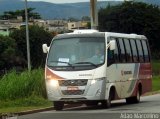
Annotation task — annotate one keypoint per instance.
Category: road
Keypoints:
(148, 108)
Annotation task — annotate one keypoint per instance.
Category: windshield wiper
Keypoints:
(86, 63)
(63, 62)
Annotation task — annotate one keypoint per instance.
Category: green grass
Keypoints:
(23, 91)
(31, 101)
(23, 104)
(25, 84)
(156, 67)
(156, 83)
(156, 75)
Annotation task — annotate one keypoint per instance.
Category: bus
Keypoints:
(92, 67)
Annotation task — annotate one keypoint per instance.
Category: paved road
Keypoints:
(148, 108)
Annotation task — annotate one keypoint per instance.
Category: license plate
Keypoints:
(72, 88)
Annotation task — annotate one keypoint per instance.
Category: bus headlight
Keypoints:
(53, 82)
(93, 81)
(98, 79)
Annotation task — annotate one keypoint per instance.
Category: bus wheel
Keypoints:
(107, 103)
(135, 99)
(58, 105)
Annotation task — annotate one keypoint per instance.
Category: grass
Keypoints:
(156, 75)
(156, 67)
(23, 91)
(25, 84)
(23, 104)
(156, 83)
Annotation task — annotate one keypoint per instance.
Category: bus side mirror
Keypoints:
(112, 45)
(45, 48)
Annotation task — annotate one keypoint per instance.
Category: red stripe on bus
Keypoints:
(51, 75)
(145, 78)
(145, 75)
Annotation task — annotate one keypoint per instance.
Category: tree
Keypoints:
(37, 36)
(14, 14)
(132, 17)
(7, 52)
(85, 18)
(72, 19)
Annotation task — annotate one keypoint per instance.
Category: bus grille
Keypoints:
(72, 92)
(79, 82)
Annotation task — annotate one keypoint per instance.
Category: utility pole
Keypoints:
(27, 37)
(94, 14)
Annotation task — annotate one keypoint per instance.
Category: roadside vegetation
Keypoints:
(26, 89)
(23, 104)
(156, 75)
(156, 83)
(22, 85)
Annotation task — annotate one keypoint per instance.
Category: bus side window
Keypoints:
(116, 53)
(113, 56)
(134, 50)
(145, 49)
(110, 57)
(128, 50)
(122, 51)
(140, 50)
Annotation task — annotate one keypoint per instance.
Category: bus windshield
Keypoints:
(81, 51)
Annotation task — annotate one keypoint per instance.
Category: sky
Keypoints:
(69, 1)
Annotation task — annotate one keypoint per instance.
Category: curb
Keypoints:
(34, 111)
(7, 115)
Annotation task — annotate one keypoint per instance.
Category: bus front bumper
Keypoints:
(94, 90)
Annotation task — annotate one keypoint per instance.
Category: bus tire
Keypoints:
(107, 103)
(58, 105)
(135, 99)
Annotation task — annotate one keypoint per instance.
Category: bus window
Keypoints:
(134, 51)
(145, 49)
(128, 50)
(116, 53)
(140, 51)
(110, 57)
(122, 50)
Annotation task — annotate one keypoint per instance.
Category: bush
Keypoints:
(22, 85)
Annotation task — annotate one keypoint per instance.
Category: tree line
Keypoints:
(14, 14)
(133, 17)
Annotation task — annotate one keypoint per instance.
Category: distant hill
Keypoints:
(59, 11)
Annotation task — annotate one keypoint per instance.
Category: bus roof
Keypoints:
(92, 32)
(123, 35)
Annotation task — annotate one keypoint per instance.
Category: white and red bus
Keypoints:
(94, 67)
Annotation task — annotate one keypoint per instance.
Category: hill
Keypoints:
(59, 11)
